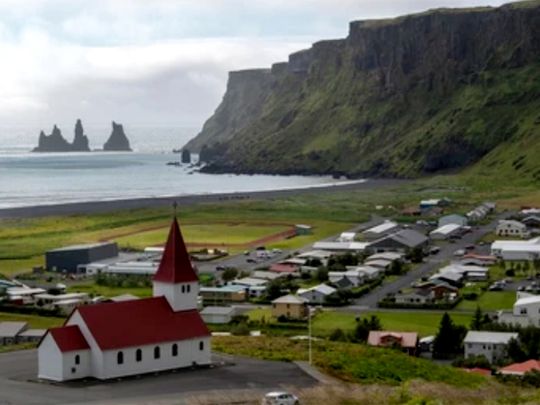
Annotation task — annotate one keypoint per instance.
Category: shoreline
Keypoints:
(93, 207)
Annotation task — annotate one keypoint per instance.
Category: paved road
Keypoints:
(18, 383)
(431, 264)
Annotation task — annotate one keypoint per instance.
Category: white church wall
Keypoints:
(181, 296)
(49, 360)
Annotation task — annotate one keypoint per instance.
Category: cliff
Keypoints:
(418, 94)
(54, 142)
(118, 140)
(80, 141)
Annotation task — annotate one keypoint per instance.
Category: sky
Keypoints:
(156, 62)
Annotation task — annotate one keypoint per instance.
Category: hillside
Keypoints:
(431, 92)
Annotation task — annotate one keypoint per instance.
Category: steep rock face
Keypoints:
(245, 95)
(118, 140)
(54, 142)
(417, 94)
(80, 141)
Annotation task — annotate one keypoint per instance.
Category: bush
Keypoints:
(470, 296)
(338, 335)
(510, 273)
(240, 330)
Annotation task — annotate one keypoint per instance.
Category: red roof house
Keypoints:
(521, 368)
(116, 339)
(408, 341)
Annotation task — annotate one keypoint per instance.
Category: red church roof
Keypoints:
(175, 266)
(69, 338)
(140, 322)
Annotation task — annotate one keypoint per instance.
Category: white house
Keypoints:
(516, 249)
(492, 345)
(376, 232)
(317, 294)
(347, 237)
(445, 231)
(452, 219)
(218, 315)
(512, 228)
(118, 339)
(526, 311)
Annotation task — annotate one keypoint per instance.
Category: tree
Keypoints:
(477, 320)
(515, 351)
(229, 274)
(322, 274)
(364, 326)
(449, 338)
(396, 268)
(416, 255)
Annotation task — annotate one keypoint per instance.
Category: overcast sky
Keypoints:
(156, 61)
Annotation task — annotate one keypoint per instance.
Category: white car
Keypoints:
(280, 398)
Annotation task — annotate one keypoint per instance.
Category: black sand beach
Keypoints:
(92, 207)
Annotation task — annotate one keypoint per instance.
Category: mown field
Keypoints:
(490, 301)
(34, 321)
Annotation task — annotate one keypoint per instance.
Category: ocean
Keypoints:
(29, 179)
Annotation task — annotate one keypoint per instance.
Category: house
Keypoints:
(469, 272)
(526, 311)
(285, 268)
(31, 336)
(414, 297)
(118, 339)
(478, 260)
(290, 306)
(382, 264)
(411, 212)
(222, 295)
(532, 221)
(24, 295)
(435, 202)
(390, 256)
(317, 294)
(492, 345)
(450, 277)
(368, 272)
(266, 275)
(347, 237)
(381, 230)
(10, 330)
(218, 315)
(343, 283)
(446, 231)
(408, 341)
(509, 227)
(302, 229)
(440, 290)
(401, 241)
(520, 250)
(520, 369)
(65, 303)
(452, 219)
(320, 255)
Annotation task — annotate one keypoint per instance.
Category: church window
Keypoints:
(188, 288)
(77, 359)
(120, 357)
(201, 345)
(183, 288)
(138, 355)
(175, 350)
(157, 352)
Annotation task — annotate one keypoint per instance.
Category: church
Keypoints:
(111, 340)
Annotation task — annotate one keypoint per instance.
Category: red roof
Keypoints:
(406, 339)
(140, 322)
(175, 266)
(521, 368)
(283, 268)
(69, 338)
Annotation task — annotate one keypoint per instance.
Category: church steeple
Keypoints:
(175, 278)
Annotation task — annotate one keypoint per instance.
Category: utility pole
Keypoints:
(309, 335)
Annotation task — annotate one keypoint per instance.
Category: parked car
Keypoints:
(277, 251)
(434, 250)
(251, 261)
(280, 398)
(220, 268)
(469, 247)
(459, 252)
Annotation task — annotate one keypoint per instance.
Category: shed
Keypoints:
(218, 315)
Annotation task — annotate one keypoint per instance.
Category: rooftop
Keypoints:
(489, 337)
(289, 299)
(82, 246)
(384, 227)
(11, 329)
(218, 310)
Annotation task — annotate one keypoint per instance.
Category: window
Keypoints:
(188, 288)
(73, 370)
(201, 345)
(77, 359)
(175, 350)
(120, 357)
(138, 355)
(157, 352)
(183, 288)
(523, 311)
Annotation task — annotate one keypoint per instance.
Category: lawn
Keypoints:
(425, 323)
(490, 301)
(96, 290)
(348, 361)
(34, 321)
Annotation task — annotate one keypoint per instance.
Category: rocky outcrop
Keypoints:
(118, 140)
(54, 142)
(186, 156)
(402, 97)
(80, 141)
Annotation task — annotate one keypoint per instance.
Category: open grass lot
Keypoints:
(490, 301)
(425, 323)
(348, 361)
(35, 321)
(95, 290)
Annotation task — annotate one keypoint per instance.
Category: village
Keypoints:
(436, 261)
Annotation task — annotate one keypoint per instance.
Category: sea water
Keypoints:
(28, 179)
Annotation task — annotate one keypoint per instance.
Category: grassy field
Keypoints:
(490, 301)
(347, 361)
(34, 321)
(95, 290)
(425, 323)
